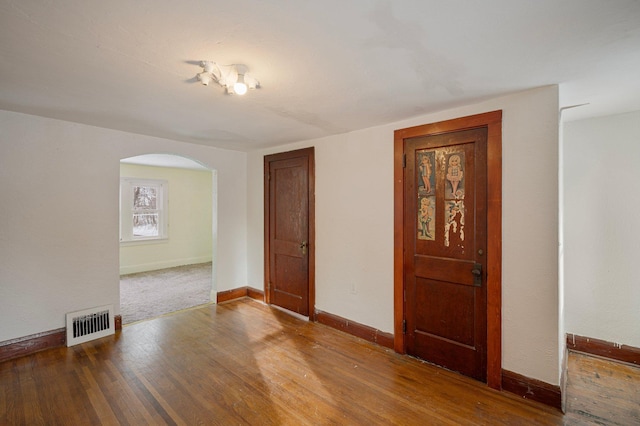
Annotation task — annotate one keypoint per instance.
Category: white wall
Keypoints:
(354, 226)
(59, 222)
(189, 212)
(67, 259)
(602, 230)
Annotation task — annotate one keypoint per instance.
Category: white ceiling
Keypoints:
(325, 67)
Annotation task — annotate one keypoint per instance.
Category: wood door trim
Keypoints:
(310, 154)
(532, 389)
(362, 331)
(493, 122)
(233, 294)
(239, 293)
(27, 345)
(603, 348)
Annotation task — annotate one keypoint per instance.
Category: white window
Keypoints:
(143, 209)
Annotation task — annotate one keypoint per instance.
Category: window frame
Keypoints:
(127, 210)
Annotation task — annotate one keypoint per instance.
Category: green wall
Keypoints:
(190, 221)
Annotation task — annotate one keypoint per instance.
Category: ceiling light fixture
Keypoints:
(233, 78)
(239, 86)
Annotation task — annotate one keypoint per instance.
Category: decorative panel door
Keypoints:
(445, 235)
(289, 232)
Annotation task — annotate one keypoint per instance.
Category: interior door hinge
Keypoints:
(404, 161)
(404, 326)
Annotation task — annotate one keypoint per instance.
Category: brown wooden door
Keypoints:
(289, 230)
(445, 186)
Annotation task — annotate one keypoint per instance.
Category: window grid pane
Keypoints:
(143, 209)
(145, 197)
(146, 224)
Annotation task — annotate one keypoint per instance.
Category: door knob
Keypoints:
(477, 274)
(303, 247)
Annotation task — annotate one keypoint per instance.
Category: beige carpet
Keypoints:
(148, 295)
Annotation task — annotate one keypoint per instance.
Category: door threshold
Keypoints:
(293, 314)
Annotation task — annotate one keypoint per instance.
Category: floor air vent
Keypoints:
(89, 324)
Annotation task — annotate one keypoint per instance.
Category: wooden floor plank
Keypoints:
(245, 363)
(602, 391)
(13, 396)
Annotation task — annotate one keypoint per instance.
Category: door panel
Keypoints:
(444, 269)
(288, 240)
(442, 302)
(445, 234)
(289, 286)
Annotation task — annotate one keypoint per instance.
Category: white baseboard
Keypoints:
(153, 266)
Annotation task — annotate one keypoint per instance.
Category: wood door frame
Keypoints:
(493, 122)
(310, 154)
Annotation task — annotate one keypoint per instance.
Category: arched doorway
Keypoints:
(167, 235)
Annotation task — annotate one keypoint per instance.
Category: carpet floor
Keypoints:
(146, 295)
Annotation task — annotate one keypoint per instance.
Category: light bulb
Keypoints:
(239, 86)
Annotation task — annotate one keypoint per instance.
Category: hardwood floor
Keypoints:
(602, 392)
(244, 363)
